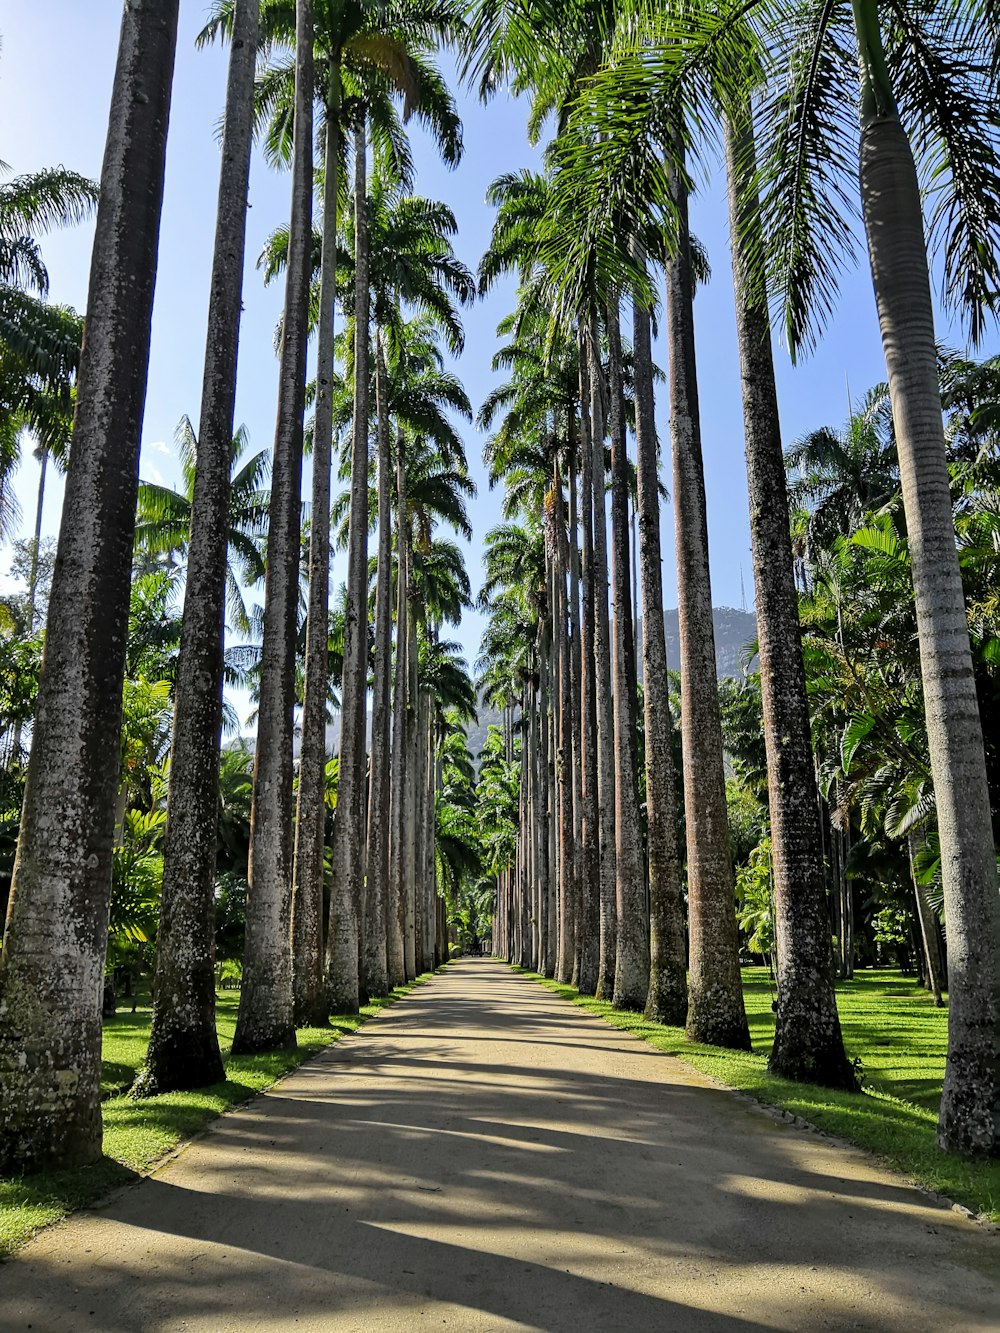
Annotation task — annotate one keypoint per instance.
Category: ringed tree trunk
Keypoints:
(183, 1045)
(552, 812)
(419, 825)
(589, 897)
(716, 1014)
(55, 939)
(410, 753)
(667, 1000)
(310, 824)
(348, 853)
(375, 956)
(632, 956)
(427, 841)
(529, 743)
(541, 790)
(395, 929)
(808, 1044)
(266, 1016)
(602, 675)
(43, 466)
(564, 777)
(575, 671)
(969, 1122)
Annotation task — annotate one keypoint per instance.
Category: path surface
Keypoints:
(484, 1155)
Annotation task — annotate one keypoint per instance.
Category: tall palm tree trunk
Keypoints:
(375, 955)
(310, 824)
(716, 1013)
(552, 812)
(666, 1001)
(590, 843)
(412, 742)
(542, 803)
(602, 677)
(183, 1045)
(969, 1121)
(266, 1015)
(529, 757)
(36, 545)
(564, 777)
(575, 673)
(396, 923)
(808, 1043)
(52, 962)
(427, 842)
(632, 957)
(419, 825)
(343, 982)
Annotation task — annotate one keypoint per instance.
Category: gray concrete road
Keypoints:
(485, 1156)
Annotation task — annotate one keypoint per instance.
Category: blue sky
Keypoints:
(56, 67)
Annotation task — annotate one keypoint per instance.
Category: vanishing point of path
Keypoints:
(485, 1156)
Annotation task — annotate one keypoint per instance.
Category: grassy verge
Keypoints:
(892, 1027)
(138, 1133)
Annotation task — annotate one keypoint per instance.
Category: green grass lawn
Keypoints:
(138, 1133)
(890, 1025)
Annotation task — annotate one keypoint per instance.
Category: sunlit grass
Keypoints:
(138, 1133)
(890, 1024)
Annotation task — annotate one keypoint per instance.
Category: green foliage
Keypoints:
(137, 877)
(755, 894)
(163, 517)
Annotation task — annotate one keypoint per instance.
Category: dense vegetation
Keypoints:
(632, 831)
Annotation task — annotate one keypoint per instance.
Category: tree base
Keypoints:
(825, 1064)
(179, 1066)
(717, 1018)
(271, 1039)
(667, 1000)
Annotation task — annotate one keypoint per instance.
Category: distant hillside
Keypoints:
(477, 731)
(734, 631)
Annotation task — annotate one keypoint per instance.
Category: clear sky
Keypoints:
(56, 67)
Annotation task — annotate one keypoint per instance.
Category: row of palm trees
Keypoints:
(640, 96)
(385, 257)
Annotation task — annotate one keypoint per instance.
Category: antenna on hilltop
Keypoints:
(743, 591)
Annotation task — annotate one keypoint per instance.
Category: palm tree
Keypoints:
(616, 173)
(221, 514)
(667, 997)
(518, 641)
(367, 53)
(266, 1015)
(423, 90)
(50, 1049)
(841, 477)
(39, 343)
(716, 1013)
(342, 974)
(413, 264)
(924, 90)
(164, 518)
(430, 482)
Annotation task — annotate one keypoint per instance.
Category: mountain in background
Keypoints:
(734, 632)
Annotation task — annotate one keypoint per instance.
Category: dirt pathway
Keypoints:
(485, 1156)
